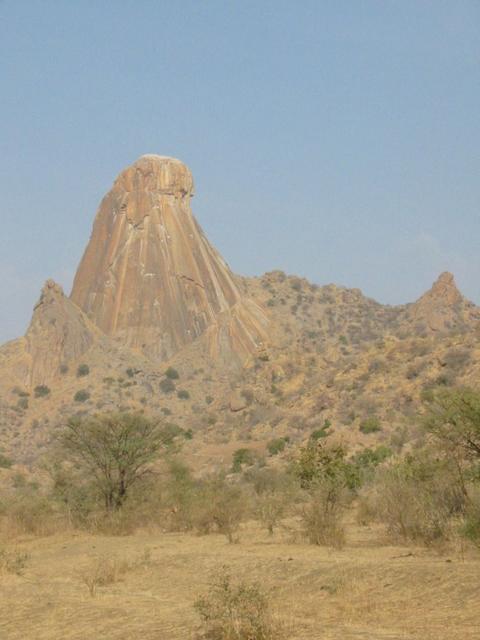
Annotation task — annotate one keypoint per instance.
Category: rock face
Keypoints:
(150, 278)
(443, 307)
(58, 333)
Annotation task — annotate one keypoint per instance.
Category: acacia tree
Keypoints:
(115, 449)
(453, 419)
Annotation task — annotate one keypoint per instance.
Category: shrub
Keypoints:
(172, 374)
(219, 506)
(242, 457)
(296, 284)
(453, 419)
(417, 498)
(209, 399)
(372, 457)
(83, 370)
(13, 562)
(370, 425)
(5, 463)
(167, 385)
(318, 462)
(470, 528)
(322, 515)
(81, 396)
(183, 394)
(22, 403)
(108, 570)
(26, 512)
(270, 507)
(236, 611)
(323, 432)
(41, 391)
(457, 358)
(275, 446)
(169, 432)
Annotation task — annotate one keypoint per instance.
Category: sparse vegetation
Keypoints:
(167, 385)
(116, 450)
(81, 396)
(5, 461)
(236, 610)
(83, 370)
(13, 562)
(370, 425)
(41, 391)
(242, 457)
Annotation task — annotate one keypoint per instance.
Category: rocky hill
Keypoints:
(158, 322)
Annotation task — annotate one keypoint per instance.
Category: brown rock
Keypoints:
(443, 307)
(149, 276)
(58, 333)
(237, 402)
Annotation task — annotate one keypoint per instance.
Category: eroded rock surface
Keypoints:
(443, 308)
(149, 276)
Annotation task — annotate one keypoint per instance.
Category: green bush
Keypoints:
(470, 528)
(167, 385)
(183, 394)
(242, 457)
(83, 370)
(372, 457)
(275, 446)
(81, 396)
(41, 391)
(172, 374)
(370, 425)
(323, 432)
(5, 463)
(22, 403)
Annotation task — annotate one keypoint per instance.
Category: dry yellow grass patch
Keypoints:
(363, 591)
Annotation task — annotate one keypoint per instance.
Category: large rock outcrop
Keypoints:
(150, 278)
(59, 333)
(443, 308)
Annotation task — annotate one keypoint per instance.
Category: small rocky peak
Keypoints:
(51, 292)
(445, 290)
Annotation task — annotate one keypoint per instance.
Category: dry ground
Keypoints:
(364, 591)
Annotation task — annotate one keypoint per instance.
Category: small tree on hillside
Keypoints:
(453, 419)
(115, 449)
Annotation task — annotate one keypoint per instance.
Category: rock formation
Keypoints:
(150, 278)
(443, 307)
(59, 333)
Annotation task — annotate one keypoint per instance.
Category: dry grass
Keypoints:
(363, 591)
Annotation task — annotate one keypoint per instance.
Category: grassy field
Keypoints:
(367, 590)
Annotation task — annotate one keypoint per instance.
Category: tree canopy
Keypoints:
(116, 449)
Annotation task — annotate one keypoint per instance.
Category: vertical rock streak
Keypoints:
(150, 277)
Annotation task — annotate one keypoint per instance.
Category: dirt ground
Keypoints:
(366, 590)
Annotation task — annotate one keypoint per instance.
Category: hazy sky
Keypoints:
(338, 140)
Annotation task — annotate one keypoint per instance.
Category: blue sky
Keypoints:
(338, 140)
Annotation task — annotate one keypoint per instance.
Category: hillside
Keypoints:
(158, 322)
